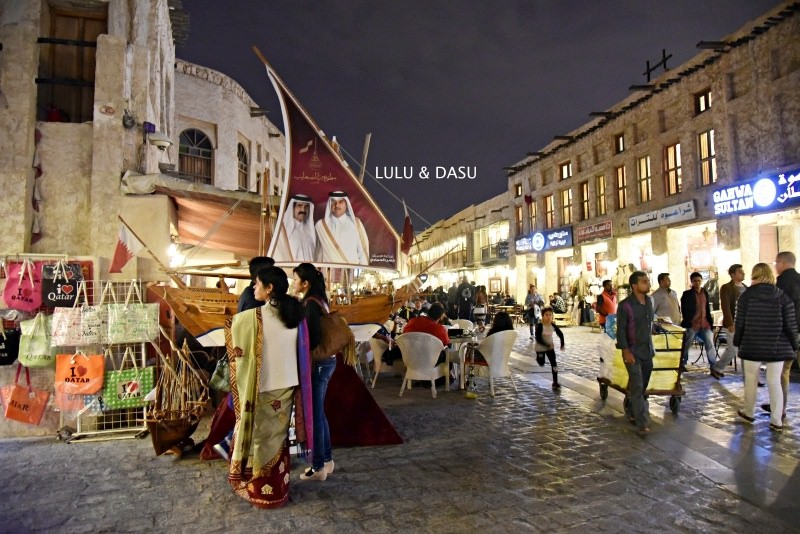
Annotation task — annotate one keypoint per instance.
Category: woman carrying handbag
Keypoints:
(309, 282)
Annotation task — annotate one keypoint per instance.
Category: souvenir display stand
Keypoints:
(96, 421)
(70, 324)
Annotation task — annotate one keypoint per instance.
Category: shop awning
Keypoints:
(202, 209)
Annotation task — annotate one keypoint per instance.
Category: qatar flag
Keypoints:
(127, 247)
(408, 232)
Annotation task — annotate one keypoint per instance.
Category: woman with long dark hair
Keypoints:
(309, 282)
(269, 359)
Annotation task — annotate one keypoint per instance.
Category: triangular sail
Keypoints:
(324, 208)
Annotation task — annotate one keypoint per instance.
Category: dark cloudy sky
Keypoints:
(473, 83)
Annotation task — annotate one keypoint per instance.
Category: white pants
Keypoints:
(774, 370)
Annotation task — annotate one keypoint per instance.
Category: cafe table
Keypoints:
(454, 353)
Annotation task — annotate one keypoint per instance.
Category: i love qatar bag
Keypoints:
(23, 403)
(66, 328)
(126, 388)
(133, 321)
(60, 284)
(23, 289)
(80, 373)
(9, 345)
(35, 349)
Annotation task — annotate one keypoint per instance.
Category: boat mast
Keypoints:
(364, 158)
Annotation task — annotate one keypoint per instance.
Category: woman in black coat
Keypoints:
(765, 331)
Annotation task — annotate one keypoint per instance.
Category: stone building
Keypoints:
(664, 180)
(98, 120)
(473, 243)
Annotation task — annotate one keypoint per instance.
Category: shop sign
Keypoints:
(677, 213)
(502, 250)
(590, 232)
(762, 194)
(544, 240)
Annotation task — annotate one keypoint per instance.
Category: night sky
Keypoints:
(450, 83)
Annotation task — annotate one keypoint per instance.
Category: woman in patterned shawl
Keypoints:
(270, 372)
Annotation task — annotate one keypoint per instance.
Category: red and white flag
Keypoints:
(408, 232)
(127, 247)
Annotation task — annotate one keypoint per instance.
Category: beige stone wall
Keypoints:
(755, 114)
(217, 105)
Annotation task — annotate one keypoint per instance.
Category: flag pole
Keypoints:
(175, 278)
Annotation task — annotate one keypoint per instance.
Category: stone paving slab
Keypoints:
(534, 461)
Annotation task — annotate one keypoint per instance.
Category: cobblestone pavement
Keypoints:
(534, 461)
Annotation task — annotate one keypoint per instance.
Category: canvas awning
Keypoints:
(201, 211)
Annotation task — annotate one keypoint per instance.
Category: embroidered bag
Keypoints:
(34, 345)
(126, 388)
(94, 319)
(80, 373)
(133, 321)
(66, 331)
(9, 345)
(336, 336)
(60, 284)
(23, 290)
(23, 403)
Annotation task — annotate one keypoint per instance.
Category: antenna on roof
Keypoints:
(663, 63)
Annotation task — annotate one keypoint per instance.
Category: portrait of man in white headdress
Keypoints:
(341, 237)
(297, 239)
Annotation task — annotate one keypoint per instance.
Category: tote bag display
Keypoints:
(9, 345)
(60, 284)
(34, 346)
(23, 403)
(23, 289)
(133, 321)
(68, 402)
(80, 373)
(127, 388)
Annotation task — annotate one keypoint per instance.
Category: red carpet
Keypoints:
(355, 419)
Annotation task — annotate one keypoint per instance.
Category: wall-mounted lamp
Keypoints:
(159, 140)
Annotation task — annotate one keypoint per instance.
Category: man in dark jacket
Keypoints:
(696, 311)
(789, 281)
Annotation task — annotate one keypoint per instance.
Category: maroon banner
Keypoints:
(590, 232)
(327, 217)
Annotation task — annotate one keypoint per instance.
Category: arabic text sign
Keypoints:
(590, 232)
(762, 194)
(678, 213)
(544, 240)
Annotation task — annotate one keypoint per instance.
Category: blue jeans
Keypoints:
(321, 373)
(708, 341)
(638, 378)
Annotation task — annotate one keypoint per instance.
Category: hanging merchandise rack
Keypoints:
(95, 421)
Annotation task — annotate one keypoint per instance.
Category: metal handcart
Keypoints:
(666, 376)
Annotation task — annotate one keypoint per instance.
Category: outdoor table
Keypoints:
(455, 343)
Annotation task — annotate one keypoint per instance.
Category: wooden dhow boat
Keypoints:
(181, 398)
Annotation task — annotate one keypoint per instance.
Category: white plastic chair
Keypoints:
(496, 349)
(420, 353)
(365, 355)
(466, 324)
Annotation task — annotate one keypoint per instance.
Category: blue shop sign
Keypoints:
(544, 240)
(770, 193)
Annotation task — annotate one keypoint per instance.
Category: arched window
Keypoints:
(196, 157)
(244, 166)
